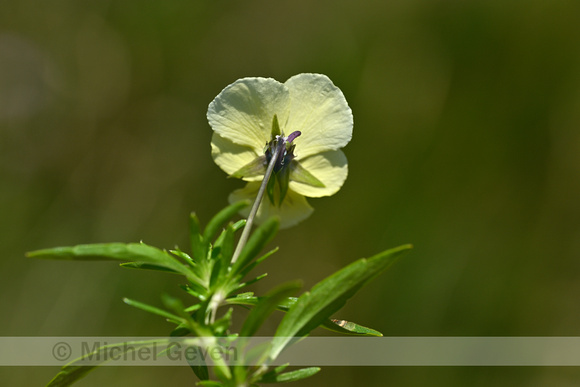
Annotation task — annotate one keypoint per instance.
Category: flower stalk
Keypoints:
(280, 146)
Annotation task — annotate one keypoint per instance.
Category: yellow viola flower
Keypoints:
(250, 118)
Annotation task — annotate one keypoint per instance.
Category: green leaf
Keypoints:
(329, 295)
(69, 375)
(210, 383)
(198, 245)
(215, 272)
(183, 255)
(252, 281)
(266, 306)
(146, 266)
(129, 252)
(74, 371)
(349, 328)
(214, 225)
(243, 299)
(192, 308)
(201, 371)
(196, 290)
(258, 240)
(339, 326)
(239, 225)
(154, 310)
(292, 376)
(176, 306)
(222, 324)
(180, 331)
(245, 295)
(226, 248)
(252, 265)
(280, 368)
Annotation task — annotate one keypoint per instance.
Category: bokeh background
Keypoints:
(466, 144)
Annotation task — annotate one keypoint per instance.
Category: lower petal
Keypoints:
(331, 168)
(293, 210)
(230, 157)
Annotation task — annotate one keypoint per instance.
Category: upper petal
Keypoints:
(331, 168)
(319, 110)
(243, 111)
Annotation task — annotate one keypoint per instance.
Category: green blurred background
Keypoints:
(466, 144)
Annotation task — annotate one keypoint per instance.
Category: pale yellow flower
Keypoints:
(246, 117)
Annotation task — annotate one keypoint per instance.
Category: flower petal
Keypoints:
(331, 168)
(319, 110)
(294, 208)
(231, 157)
(243, 111)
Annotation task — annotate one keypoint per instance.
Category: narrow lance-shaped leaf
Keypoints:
(252, 265)
(334, 325)
(252, 281)
(127, 252)
(154, 310)
(225, 243)
(214, 225)
(176, 306)
(75, 370)
(266, 306)
(200, 370)
(180, 254)
(197, 365)
(329, 295)
(292, 376)
(349, 328)
(198, 245)
(147, 266)
(210, 383)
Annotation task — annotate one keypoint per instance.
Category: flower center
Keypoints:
(283, 149)
(286, 152)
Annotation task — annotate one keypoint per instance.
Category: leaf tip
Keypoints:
(42, 253)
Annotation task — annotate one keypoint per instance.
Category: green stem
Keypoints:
(256, 205)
